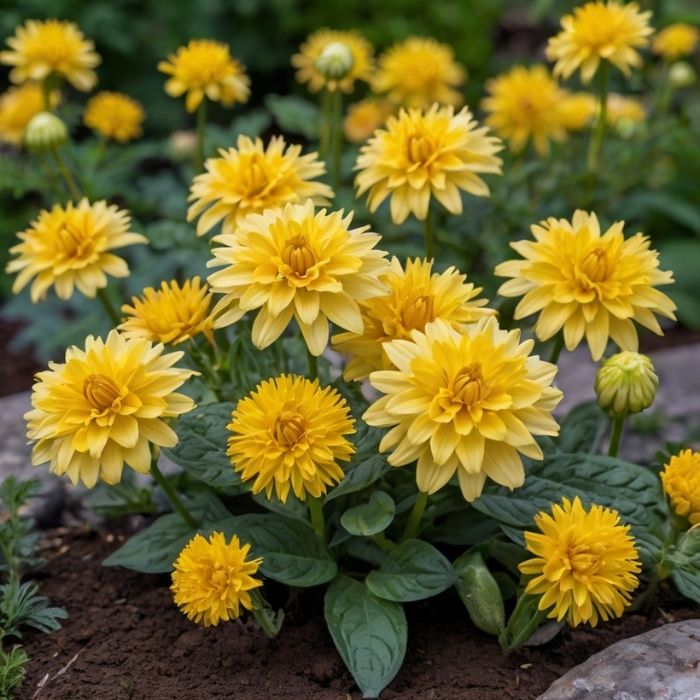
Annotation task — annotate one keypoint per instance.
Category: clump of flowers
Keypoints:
(681, 482)
(587, 283)
(17, 107)
(115, 116)
(365, 117)
(289, 435)
(213, 579)
(585, 565)
(676, 41)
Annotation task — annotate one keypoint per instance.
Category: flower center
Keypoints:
(101, 391)
(468, 386)
(416, 314)
(583, 560)
(289, 428)
(73, 241)
(256, 175)
(595, 265)
(297, 254)
(419, 149)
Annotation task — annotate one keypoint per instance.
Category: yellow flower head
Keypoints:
(676, 41)
(467, 401)
(365, 117)
(586, 563)
(422, 155)
(416, 296)
(212, 579)
(576, 110)
(43, 48)
(418, 72)
(310, 51)
(525, 103)
(600, 30)
(171, 314)
(587, 283)
(71, 246)
(251, 178)
(205, 68)
(624, 110)
(295, 262)
(681, 481)
(289, 434)
(114, 115)
(104, 406)
(17, 107)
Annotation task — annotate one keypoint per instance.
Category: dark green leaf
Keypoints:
(467, 526)
(360, 475)
(582, 429)
(688, 582)
(294, 114)
(370, 518)
(291, 508)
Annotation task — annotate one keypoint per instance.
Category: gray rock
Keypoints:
(663, 664)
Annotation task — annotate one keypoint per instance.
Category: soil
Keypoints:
(16, 369)
(125, 640)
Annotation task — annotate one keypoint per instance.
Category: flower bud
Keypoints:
(480, 593)
(682, 74)
(182, 144)
(626, 383)
(335, 61)
(45, 132)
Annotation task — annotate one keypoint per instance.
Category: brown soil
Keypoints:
(16, 369)
(124, 640)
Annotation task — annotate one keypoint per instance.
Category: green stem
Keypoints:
(204, 366)
(325, 127)
(616, 435)
(524, 620)
(383, 542)
(72, 188)
(269, 622)
(429, 236)
(557, 348)
(665, 90)
(318, 522)
(46, 94)
(413, 522)
(169, 491)
(313, 364)
(201, 133)
(598, 136)
(336, 136)
(108, 306)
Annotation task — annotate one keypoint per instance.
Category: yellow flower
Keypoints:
(251, 178)
(576, 110)
(601, 30)
(114, 115)
(681, 482)
(587, 283)
(205, 68)
(311, 50)
(43, 48)
(676, 41)
(289, 434)
(17, 107)
(171, 315)
(212, 579)
(586, 563)
(467, 401)
(416, 296)
(423, 155)
(525, 103)
(418, 72)
(295, 262)
(365, 117)
(70, 246)
(624, 110)
(104, 406)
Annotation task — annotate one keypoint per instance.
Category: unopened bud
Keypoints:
(682, 74)
(335, 61)
(45, 131)
(626, 383)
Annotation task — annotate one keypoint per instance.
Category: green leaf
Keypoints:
(687, 582)
(685, 562)
(294, 114)
(413, 571)
(360, 475)
(370, 518)
(582, 429)
(369, 633)
(291, 508)
(463, 527)
(480, 593)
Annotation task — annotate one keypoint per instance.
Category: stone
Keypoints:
(663, 664)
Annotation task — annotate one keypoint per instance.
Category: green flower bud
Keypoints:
(682, 74)
(335, 61)
(45, 132)
(626, 383)
(480, 593)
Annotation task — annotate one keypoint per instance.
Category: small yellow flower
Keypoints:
(251, 178)
(365, 117)
(295, 262)
(213, 578)
(467, 402)
(624, 110)
(70, 246)
(626, 383)
(418, 156)
(17, 107)
(419, 72)
(114, 115)
(289, 434)
(40, 49)
(587, 283)
(104, 406)
(600, 30)
(171, 314)
(681, 482)
(416, 296)
(577, 109)
(205, 68)
(676, 41)
(586, 563)
(310, 51)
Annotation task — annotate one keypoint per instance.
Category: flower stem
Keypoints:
(523, 621)
(113, 314)
(383, 542)
(336, 136)
(598, 136)
(72, 188)
(429, 236)
(313, 364)
(326, 126)
(201, 133)
(318, 522)
(617, 425)
(46, 93)
(413, 523)
(557, 348)
(264, 615)
(169, 491)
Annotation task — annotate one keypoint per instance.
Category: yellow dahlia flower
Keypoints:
(416, 296)
(104, 406)
(171, 314)
(114, 115)
(17, 107)
(40, 49)
(419, 72)
(681, 482)
(422, 155)
(289, 434)
(467, 401)
(676, 41)
(295, 262)
(251, 178)
(576, 110)
(205, 68)
(212, 579)
(586, 563)
(525, 104)
(365, 117)
(587, 283)
(310, 51)
(600, 30)
(71, 246)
